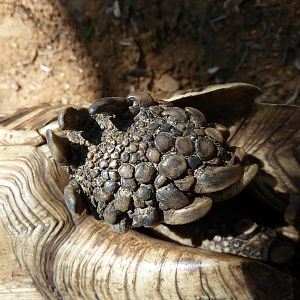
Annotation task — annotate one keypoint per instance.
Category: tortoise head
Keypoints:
(136, 161)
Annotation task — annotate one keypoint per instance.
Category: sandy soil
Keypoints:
(70, 51)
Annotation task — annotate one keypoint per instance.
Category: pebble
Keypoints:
(129, 183)
(126, 170)
(205, 149)
(123, 200)
(144, 172)
(153, 155)
(160, 180)
(185, 184)
(194, 162)
(169, 196)
(163, 142)
(172, 166)
(184, 146)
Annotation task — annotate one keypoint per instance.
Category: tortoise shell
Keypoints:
(81, 258)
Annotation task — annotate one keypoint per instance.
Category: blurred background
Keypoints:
(73, 51)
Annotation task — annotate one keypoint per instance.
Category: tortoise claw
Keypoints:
(71, 118)
(110, 105)
(216, 179)
(196, 210)
(73, 196)
(237, 187)
(59, 147)
(141, 99)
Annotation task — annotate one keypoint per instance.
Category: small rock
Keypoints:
(172, 166)
(169, 196)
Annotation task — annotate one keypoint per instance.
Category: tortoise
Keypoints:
(73, 256)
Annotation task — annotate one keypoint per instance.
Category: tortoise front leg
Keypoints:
(74, 198)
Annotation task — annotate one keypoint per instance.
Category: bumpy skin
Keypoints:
(138, 161)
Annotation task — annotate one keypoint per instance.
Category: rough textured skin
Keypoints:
(135, 160)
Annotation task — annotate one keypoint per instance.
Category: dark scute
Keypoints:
(205, 149)
(169, 196)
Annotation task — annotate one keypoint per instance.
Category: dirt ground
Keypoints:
(72, 51)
